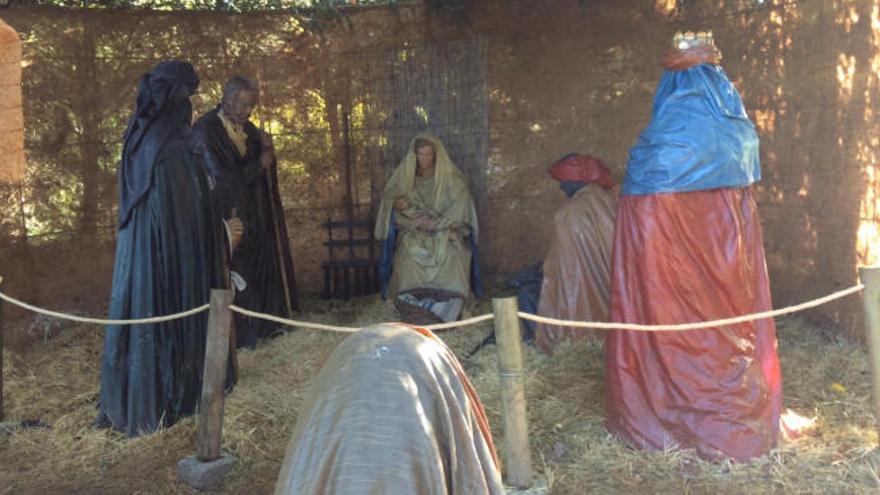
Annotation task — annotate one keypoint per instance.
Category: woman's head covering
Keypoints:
(162, 110)
(581, 168)
(402, 181)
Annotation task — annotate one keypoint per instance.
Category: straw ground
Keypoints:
(56, 383)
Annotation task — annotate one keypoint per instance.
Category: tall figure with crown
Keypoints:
(688, 247)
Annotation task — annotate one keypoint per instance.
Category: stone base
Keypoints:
(204, 475)
(8, 428)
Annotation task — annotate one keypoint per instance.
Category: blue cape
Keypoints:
(699, 137)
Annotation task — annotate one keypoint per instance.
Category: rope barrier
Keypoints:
(469, 321)
(333, 328)
(693, 326)
(291, 323)
(100, 321)
(461, 323)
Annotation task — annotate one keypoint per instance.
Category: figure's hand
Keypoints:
(426, 224)
(266, 140)
(267, 157)
(236, 231)
(401, 204)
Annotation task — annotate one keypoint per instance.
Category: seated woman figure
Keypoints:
(427, 215)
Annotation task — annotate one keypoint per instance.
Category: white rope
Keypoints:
(333, 328)
(99, 321)
(693, 326)
(291, 323)
(453, 324)
(469, 321)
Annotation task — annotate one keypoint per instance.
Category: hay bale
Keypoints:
(12, 124)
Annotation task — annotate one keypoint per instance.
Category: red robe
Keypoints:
(689, 257)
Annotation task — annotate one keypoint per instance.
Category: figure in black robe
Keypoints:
(167, 261)
(241, 161)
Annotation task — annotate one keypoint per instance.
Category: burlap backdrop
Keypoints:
(12, 123)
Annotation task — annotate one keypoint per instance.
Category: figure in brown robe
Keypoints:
(577, 269)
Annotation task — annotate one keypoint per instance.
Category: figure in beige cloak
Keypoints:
(391, 412)
(428, 213)
(577, 269)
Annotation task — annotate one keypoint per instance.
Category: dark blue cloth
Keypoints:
(527, 283)
(571, 187)
(476, 279)
(167, 261)
(386, 264)
(162, 110)
(168, 258)
(699, 137)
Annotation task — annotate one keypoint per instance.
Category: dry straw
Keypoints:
(57, 383)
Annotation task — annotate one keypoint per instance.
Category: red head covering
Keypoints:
(582, 168)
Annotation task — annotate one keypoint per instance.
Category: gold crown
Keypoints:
(690, 39)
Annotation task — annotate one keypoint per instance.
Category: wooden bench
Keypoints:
(352, 267)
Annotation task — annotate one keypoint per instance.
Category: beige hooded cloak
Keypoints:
(391, 412)
(440, 258)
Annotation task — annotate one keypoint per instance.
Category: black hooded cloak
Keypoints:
(263, 257)
(168, 259)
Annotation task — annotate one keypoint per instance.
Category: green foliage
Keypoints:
(79, 81)
(81, 71)
(304, 6)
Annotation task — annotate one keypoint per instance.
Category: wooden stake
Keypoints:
(513, 397)
(210, 426)
(870, 276)
(1, 354)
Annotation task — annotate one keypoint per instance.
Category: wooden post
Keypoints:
(1, 353)
(210, 426)
(513, 397)
(870, 276)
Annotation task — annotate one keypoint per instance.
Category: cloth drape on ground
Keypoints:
(577, 269)
(527, 283)
(263, 257)
(440, 259)
(391, 411)
(693, 256)
(167, 261)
